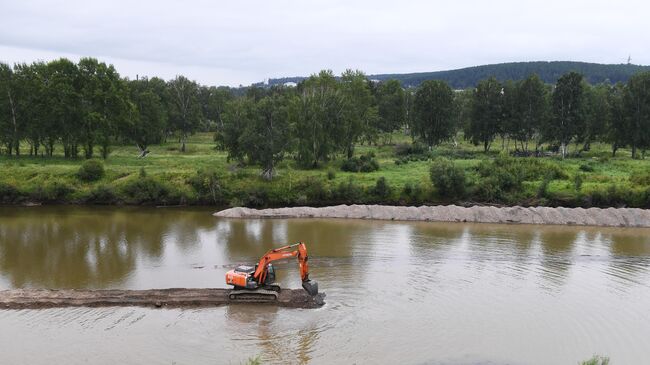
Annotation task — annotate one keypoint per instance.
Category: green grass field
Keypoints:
(172, 178)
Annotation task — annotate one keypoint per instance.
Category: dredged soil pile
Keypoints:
(45, 298)
(609, 217)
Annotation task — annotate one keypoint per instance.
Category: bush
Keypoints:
(596, 360)
(9, 194)
(102, 194)
(146, 190)
(207, 185)
(314, 189)
(91, 170)
(256, 197)
(348, 192)
(447, 178)
(412, 192)
(503, 178)
(405, 149)
(640, 178)
(542, 192)
(382, 189)
(52, 191)
(586, 167)
(577, 181)
(365, 163)
(331, 174)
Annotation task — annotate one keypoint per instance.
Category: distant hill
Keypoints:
(549, 72)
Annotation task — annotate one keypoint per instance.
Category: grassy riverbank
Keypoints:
(202, 175)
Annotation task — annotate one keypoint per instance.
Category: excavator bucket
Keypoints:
(310, 286)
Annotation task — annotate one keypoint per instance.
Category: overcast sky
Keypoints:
(239, 42)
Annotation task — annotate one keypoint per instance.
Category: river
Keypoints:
(397, 292)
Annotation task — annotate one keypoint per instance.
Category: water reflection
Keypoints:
(64, 247)
(103, 247)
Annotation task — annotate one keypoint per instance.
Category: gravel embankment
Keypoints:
(609, 217)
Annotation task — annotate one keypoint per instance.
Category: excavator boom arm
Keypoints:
(283, 253)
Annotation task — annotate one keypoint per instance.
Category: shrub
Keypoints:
(577, 181)
(91, 170)
(331, 174)
(405, 149)
(102, 194)
(524, 169)
(52, 191)
(503, 177)
(207, 185)
(146, 190)
(9, 193)
(382, 189)
(543, 188)
(314, 190)
(365, 163)
(596, 360)
(640, 178)
(256, 197)
(348, 192)
(586, 167)
(412, 192)
(448, 178)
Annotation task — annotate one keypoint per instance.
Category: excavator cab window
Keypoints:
(270, 276)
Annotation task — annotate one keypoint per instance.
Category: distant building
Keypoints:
(290, 84)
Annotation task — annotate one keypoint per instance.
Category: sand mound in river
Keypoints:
(609, 217)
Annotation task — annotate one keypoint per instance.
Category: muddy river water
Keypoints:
(397, 292)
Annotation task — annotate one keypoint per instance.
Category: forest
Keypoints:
(80, 111)
(549, 72)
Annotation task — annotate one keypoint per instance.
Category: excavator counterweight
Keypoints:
(256, 283)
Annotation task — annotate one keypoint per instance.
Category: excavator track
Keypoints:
(253, 296)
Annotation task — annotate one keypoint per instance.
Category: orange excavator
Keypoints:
(256, 283)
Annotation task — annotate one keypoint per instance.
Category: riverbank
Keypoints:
(609, 217)
(205, 176)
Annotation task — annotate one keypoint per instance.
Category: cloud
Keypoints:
(246, 41)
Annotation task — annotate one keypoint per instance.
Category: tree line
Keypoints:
(549, 72)
(87, 107)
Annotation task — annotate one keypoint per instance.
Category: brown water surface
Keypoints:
(408, 293)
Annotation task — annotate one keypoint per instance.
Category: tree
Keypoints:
(104, 104)
(30, 104)
(433, 109)
(391, 107)
(636, 104)
(617, 130)
(487, 113)
(63, 107)
(510, 112)
(148, 115)
(317, 114)
(236, 117)
(597, 115)
(568, 112)
(9, 129)
(184, 109)
(533, 110)
(359, 113)
(462, 109)
(213, 104)
(267, 135)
